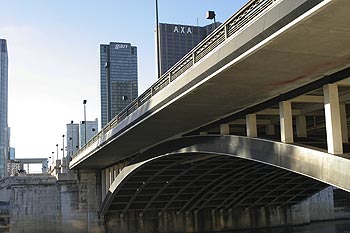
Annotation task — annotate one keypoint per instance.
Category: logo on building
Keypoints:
(183, 29)
(121, 46)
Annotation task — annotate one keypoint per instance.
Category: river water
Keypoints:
(340, 226)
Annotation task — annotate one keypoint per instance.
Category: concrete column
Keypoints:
(107, 179)
(225, 129)
(116, 170)
(332, 113)
(301, 126)
(110, 173)
(344, 123)
(286, 121)
(252, 130)
(270, 130)
(103, 188)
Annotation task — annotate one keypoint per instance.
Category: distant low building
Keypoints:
(72, 138)
(91, 130)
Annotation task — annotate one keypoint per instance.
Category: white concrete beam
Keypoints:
(333, 121)
(344, 123)
(225, 129)
(272, 111)
(344, 98)
(344, 82)
(252, 130)
(311, 109)
(301, 126)
(244, 121)
(286, 122)
(308, 99)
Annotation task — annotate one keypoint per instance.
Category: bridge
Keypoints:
(255, 116)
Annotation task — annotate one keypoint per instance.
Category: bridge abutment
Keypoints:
(46, 204)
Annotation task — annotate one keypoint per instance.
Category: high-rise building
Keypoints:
(91, 130)
(4, 134)
(177, 40)
(72, 138)
(118, 70)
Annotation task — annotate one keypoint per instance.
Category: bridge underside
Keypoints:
(187, 182)
(223, 173)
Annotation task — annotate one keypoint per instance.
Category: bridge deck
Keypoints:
(290, 44)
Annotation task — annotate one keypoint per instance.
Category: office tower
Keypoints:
(118, 70)
(91, 128)
(72, 138)
(177, 40)
(4, 134)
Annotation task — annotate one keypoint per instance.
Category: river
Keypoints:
(339, 226)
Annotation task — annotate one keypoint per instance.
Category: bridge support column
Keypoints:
(107, 180)
(301, 126)
(103, 184)
(286, 121)
(344, 123)
(332, 113)
(251, 125)
(225, 129)
(270, 130)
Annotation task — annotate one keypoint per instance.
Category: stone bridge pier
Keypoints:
(68, 203)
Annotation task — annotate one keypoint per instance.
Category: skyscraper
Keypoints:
(72, 138)
(118, 70)
(4, 134)
(177, 40)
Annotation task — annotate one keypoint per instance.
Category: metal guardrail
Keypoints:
(248, 12)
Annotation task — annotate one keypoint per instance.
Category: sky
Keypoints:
(53, 48)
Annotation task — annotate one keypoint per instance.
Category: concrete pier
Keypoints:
(45, 204)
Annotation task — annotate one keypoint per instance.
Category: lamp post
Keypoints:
(84, 103)
(71, 148)
(57, 152)
(157, 39)
(211, 15)
(53, 157)
(62, 146)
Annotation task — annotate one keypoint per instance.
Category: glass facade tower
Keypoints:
(118, 83)
(4, 134)
(177, 40)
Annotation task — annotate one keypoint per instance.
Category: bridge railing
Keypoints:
(248, 12)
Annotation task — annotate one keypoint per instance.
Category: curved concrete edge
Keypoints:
(122, 176)
(318, 165)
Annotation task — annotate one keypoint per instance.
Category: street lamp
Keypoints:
(84, 102)
(157, 39)
(211, 15)
(62, 146)
(53, 157)
(57, 150)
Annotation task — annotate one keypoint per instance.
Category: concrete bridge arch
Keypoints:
(222, 173)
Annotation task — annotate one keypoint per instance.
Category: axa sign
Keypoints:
(182, 29)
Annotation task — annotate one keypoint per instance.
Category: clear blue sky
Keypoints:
(53, 50)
